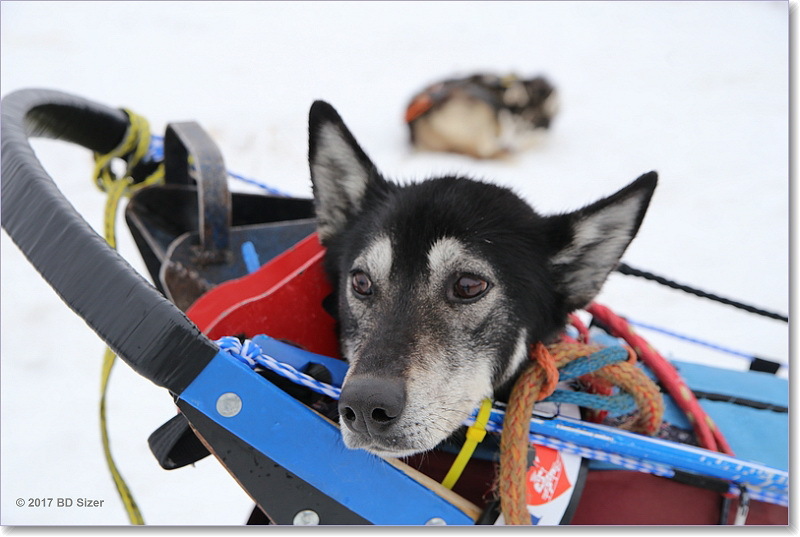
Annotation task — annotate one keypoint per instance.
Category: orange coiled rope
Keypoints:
(531, 386)
(537, 382)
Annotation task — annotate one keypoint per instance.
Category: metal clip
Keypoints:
(744, 506)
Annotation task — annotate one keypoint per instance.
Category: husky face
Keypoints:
(442, 286)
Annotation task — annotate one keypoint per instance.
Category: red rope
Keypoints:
(709, 436)
(583, 332)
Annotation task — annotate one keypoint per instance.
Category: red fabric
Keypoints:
(476, 484)
(622, 497)
(613, 497)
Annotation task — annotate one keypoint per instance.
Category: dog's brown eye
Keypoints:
(467, 287)
(362, 285)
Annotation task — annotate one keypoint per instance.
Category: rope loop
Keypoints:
(708, 435)
(133, 149)
(251, 355)
(547, 363)
(591, 363)
(537, 383)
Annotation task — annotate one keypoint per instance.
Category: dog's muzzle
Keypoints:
(370, 406)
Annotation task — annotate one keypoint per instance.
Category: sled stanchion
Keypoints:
(188, 141)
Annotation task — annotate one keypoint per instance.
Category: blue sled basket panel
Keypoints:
(311, 447)
(749, 407)
(753, 434)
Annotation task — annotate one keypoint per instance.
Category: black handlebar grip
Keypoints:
(136, 321)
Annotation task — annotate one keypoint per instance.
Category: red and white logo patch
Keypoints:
(547, 478)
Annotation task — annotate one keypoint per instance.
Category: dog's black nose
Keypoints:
(370, 405)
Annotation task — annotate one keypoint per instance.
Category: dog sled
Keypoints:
(234, 327)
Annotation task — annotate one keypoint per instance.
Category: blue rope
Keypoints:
(628, 462)
(696, 341)
(251, 355)
(593, 362)
(155, 153)
(267, 188)
(616, 405)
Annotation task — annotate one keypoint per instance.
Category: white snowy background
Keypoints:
(696, 91)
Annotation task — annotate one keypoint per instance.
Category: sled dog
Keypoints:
(442, 286)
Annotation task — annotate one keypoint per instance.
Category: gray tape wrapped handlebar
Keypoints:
(139, 324)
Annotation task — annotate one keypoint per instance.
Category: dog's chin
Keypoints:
(394, 454)
(380, 448)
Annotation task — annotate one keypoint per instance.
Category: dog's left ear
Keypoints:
(340, 170)
(591, 241)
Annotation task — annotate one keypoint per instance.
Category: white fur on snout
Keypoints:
(439, 397)
(438, 401)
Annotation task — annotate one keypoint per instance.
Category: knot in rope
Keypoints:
(133, 148)
(565, 361)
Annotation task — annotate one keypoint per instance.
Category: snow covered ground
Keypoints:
(696, 91)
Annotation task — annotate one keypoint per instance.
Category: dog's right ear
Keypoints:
(591, 241)
(340, 170)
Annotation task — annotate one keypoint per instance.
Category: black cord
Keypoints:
(626, 269)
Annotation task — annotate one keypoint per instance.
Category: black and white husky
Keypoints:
(442, 286)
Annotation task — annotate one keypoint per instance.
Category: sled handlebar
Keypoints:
(137, 322)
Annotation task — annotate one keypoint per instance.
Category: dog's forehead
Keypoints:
(382, 258)
(417, 227)
(376, 257)
(449, 254)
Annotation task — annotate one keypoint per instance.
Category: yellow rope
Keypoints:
(133, 147)
(134, 515)
(475, 435)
